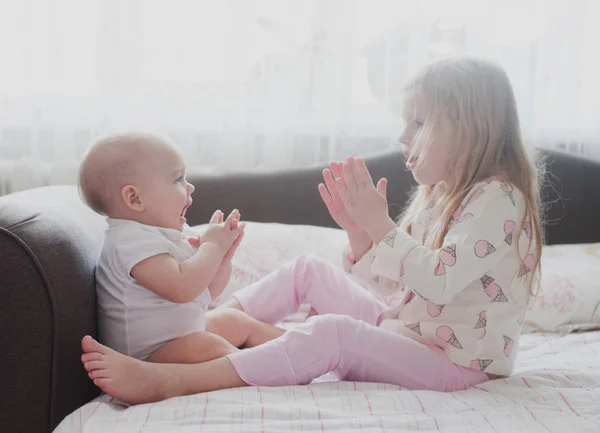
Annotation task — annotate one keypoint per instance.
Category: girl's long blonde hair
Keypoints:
(477, 98)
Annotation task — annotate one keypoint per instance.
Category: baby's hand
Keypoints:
(234, 224)
(223, 233)
(216, 218)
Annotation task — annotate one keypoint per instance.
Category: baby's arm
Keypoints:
(220, 281)
(223, 274)
(183, 282)
(180, 283)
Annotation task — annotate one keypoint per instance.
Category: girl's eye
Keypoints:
(419, 123)
(179, 179)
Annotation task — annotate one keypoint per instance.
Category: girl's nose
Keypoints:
(405, 138)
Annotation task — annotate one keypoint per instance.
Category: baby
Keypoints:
(155, 279)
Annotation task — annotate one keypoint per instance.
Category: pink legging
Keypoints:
(342, 339)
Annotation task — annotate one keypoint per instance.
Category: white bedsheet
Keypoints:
(555, 388)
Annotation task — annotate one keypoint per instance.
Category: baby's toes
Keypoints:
(94, 365)
(91, 356)
(98, 374)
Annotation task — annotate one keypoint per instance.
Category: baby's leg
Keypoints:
(193, 348)
(307, 280)
(239, 329)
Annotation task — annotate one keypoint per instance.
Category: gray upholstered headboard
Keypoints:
(571, 194)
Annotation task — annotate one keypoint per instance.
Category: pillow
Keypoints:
(570, 290)
(267, 246)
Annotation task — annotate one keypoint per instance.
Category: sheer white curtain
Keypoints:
(240, 84)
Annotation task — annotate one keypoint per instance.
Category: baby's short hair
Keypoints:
(111, 163)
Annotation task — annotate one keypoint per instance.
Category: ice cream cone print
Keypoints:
(415, 327)
(447, 257)
(528, 263)
(480, 364)
(434, 310)
(492, 289)
(509, 228)
(389, 239)
(482, 321)
(447, 334)
(481, 324)
(483, 248)
(509, 345)
(486, 281)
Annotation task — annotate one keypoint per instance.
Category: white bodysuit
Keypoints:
(132, 319)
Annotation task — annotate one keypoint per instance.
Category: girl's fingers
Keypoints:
(330, 182)
(349, 179)
(336, 169)
(382, 187)
(363, 172)
(325, 194)
(341, 186)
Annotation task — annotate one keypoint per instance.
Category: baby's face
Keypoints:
(165, 192)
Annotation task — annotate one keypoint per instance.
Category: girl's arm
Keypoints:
(360, 242)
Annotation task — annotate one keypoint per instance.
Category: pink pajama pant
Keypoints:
(342, 339)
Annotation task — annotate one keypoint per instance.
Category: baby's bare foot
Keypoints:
(126, 378)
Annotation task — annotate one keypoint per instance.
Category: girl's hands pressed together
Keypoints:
(331, 197)
(364, 203)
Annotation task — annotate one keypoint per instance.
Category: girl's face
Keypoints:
(432, 165)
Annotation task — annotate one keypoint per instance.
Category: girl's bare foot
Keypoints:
(126, 378)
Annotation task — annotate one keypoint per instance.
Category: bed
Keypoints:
(555, 386)
(49, 243)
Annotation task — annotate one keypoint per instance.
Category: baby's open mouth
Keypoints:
(182, 215)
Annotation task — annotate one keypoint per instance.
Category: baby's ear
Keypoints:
(131, 198)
